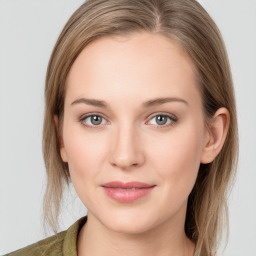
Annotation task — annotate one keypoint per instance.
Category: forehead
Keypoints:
(140, 65)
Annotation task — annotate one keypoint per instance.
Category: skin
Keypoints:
(130, 145)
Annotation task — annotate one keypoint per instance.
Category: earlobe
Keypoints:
(60, 139)
(216, 135)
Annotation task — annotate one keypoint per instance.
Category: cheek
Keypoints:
(177, 158)
(84, 156)
(84, 153)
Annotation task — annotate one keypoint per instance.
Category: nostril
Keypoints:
(125, 163)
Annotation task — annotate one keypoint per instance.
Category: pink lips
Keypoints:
(127, 192)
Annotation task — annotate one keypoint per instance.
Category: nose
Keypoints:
(126, 149)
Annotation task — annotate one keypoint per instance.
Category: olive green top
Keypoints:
(61, 244)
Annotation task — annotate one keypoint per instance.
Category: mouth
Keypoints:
(127, 192)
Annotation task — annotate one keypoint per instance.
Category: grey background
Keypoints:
(28, 31)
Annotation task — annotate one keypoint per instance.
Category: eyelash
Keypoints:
(173, 120)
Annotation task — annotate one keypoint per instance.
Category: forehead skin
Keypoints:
(119, 66)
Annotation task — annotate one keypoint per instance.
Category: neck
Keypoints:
(165, 240)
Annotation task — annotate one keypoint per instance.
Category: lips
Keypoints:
(127, 192)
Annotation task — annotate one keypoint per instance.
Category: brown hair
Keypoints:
(186, 22)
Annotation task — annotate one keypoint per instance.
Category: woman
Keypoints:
(140, 117)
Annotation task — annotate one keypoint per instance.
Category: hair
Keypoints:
(188, 23)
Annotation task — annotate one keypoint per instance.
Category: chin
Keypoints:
(129, 227)
(130, 222)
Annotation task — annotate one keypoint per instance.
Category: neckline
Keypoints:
(70, 240)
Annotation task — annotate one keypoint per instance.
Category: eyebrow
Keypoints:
(149, 103)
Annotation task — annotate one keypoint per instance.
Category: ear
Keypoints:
(60, 139)
(216, 135)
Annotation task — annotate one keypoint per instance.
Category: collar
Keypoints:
(70, 240)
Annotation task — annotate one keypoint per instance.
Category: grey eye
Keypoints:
(96, 120)
(161, 119)
(93, 120)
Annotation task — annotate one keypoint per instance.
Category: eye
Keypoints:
(93, 120)
(164, 120)
(96, 120)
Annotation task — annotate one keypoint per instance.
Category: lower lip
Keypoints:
(127, 195)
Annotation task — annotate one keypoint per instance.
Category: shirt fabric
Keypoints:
(61, 244)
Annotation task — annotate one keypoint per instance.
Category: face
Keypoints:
(133, 131)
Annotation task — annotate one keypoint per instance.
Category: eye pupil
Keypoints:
(161, 120)
(96, 120)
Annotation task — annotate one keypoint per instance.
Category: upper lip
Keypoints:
(120, 184)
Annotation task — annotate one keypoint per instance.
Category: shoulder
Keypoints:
(63, 243)
(49, 246)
